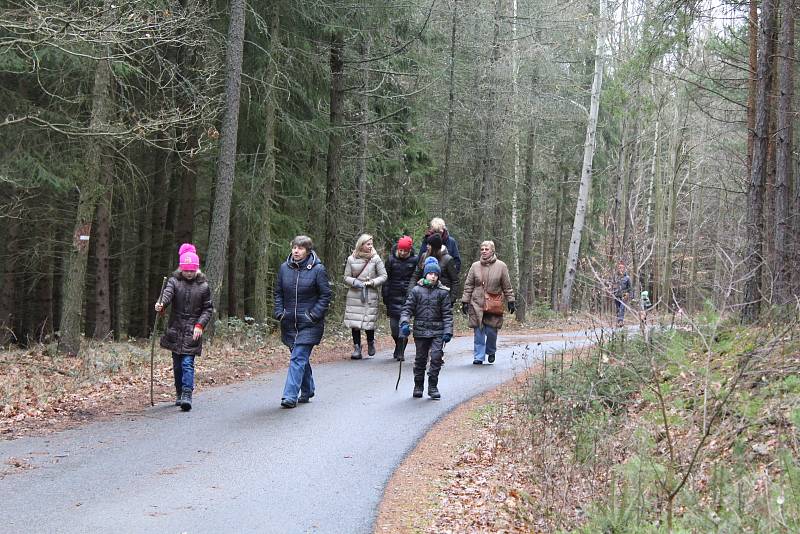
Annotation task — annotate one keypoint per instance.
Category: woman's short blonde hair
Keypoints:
(437, 224)
(488, 243)
(363, 238)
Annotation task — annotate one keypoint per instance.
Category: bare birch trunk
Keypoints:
(515, 133)
(585, 189)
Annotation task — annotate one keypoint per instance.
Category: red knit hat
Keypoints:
(404, 243)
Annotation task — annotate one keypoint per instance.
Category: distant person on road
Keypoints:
(429, 305)
(645, 305)
(437, 226)
(302, 298)
(449, 273)
(364, 273)
(622, 292)
(399, 269)
(188, 292)
(487, 285)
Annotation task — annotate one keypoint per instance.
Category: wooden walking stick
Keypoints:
(400, 370)
(153, 341)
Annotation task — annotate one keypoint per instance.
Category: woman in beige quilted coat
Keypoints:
(364, 273)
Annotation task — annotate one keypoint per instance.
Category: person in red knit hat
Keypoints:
(399, 269)
(188, 292)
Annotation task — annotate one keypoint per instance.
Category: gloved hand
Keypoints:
(512, 307)
(465, 308)
(358, 284)
(279, 316)
(447, 337)
(197, 332)
(405, 330)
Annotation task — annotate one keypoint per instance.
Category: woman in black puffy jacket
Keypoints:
(400, 269)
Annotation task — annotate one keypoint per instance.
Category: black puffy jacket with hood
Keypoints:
(430, 307)
(395, 289)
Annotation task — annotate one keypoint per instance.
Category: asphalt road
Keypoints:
(238, 462)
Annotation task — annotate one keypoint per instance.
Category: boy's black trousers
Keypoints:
(433, 346)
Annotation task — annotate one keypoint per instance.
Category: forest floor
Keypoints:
(584, 447)
(43, 391)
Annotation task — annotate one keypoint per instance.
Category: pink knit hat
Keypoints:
(186, 247)
(189, 262)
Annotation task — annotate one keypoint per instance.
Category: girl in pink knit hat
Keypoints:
(188, 292)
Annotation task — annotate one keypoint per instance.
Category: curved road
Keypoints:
(239, 463)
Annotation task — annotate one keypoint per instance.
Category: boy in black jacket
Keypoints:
(429, 303)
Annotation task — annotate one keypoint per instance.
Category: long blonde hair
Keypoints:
(363, 238)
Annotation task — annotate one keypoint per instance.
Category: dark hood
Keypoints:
(308, 262)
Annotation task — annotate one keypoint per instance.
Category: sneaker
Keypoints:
(477, 362)
(490, 357)
(287, 403)
(305, 399)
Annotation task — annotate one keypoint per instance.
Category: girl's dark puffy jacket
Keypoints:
(431, 309)
(396, 287)
(191, 305)
(302, 297)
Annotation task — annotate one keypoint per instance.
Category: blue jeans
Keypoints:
(620, 310)
(485, 342)
(183, 368)
(299, 377)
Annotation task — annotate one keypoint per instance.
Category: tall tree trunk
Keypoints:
(226, 164)
(102, 233)
(187, 180)
(489, 226)
(448, 145)
(751, 83)
(618, 210)
(586, 172)
(233, 244)
(678, 157)
(783, 171)
(558, 231)
(128, 231)
(334, 144)
(515, 134)
(529, 231)
(162, 250)
(8, 290)
(261, 301)
(91, 191)
(363, 137)
(755, 194)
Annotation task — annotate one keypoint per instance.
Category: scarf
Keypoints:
(491, 260)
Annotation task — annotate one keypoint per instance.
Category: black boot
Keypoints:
(356, 352)
(419, 384)
(177, 396)
(186, 399)
(371, 347)
(433, 391)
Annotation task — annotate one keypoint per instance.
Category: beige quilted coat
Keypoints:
(357, 314)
